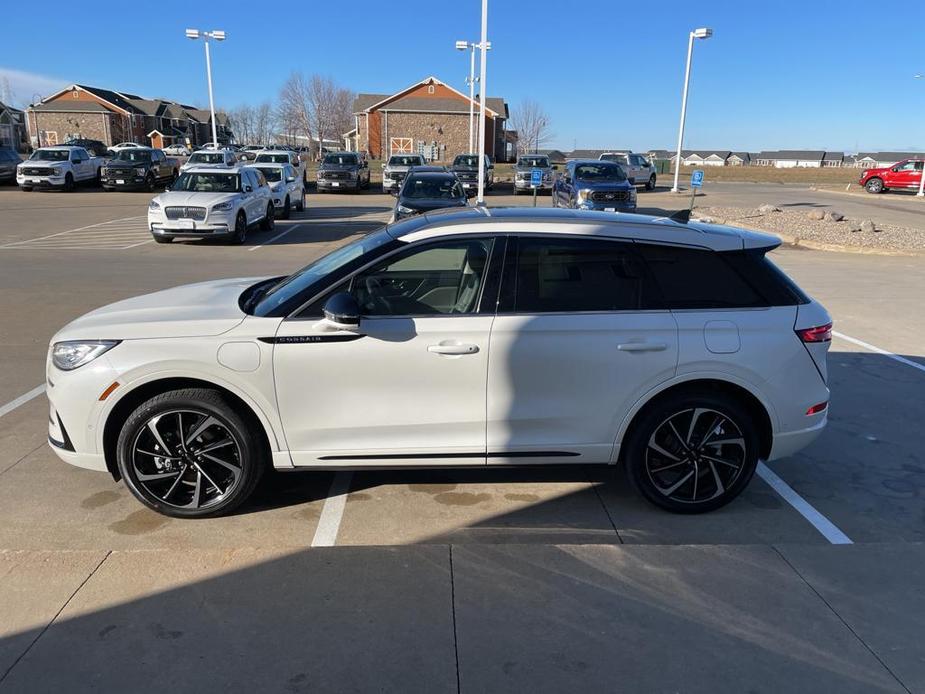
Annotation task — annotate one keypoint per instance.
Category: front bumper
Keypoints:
(215, 225)
(525, 185)
(46, 182)
(122, 182)
(339, 184)
(390, 184)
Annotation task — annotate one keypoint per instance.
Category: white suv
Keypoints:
(205, 202)
(639, 170)
(471, 337)
(283, 156)
(287, 188)
(210, 157)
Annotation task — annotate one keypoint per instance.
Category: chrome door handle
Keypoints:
(642, 346)
(453, 349)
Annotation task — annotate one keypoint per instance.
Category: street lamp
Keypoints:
(471, 80)
(921, 193)
(701, 33)
(205, 36)
(484, 45)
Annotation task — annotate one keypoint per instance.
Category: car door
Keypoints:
(252, 196)
(579, 337)
(904, 175)
(408, 387)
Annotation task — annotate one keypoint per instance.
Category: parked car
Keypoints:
(904, 175)
(343, 171)
(94, 147)
(177, 150)
(221, 158)
(9, 160)
(139, 168)
(61, 167)
(428, 188)
(206, 202)
(591, 184)
(523, 172)
(287, 188)
(466, 168)
(125, 145)
(279, 156)
(396, 168)
(638, 169)
(527, 336)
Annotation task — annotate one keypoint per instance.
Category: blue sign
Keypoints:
(697, 178)
(536, 178)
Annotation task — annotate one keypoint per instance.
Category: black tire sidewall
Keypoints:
(636, 444)
(252, 456)
(240, 228)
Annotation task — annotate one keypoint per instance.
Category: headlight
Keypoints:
(223, 207)
(56, 172)
(405, 210)
(584, 196)
(154, 205)
(103, 171)
(67, 356)
(140, 172)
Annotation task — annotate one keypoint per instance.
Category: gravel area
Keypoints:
(796, 226)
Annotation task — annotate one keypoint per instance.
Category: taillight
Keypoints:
(816, 409)
(819, 333)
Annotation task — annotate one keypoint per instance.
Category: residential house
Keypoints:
(555, 156)
(429, 118)
(13, 133)
(833, 159)
(738, 159)
(112, 117)
(791, 158)
(882, 160)
(701, 157)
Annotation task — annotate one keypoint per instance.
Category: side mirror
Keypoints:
(342, 312)
(167, 189)
(383, 165)
(290, 179)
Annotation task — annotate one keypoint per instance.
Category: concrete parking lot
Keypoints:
(528, 579)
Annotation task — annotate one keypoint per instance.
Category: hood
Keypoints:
(397, 168)
(463, 167)
(518, 167)
(193, 310)
(879, 170)
(43, 162)
(604, 185)
(429, 204)
(339, 167)
(181, 198)
(116, 164)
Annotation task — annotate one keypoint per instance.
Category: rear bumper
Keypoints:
(790, 442)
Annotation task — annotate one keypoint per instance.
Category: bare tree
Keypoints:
(532, 126)
(315, 106)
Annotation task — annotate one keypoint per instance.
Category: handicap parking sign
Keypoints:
(536, 178)
(697, 178)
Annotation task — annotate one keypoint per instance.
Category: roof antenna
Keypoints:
(682, 216)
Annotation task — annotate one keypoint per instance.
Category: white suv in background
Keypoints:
(208, 203)
(210, 157)
(638, 169)
(286, 187)
(283, 156)
(470, 337)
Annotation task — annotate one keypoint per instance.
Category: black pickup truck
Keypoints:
(138, 168)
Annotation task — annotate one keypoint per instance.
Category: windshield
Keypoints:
(531, 162)
(613, 157)
(50, 154)
(296, 284)
(273, 158)
(343, 159)
(605, 171)
(133, 155)
(207, 158)
(406, 160)
(419, 187)
(208, 183)
(271, 173)
(466, 160)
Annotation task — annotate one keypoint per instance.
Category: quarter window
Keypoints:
(571, 275)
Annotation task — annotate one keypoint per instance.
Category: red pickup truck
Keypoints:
(903, 175)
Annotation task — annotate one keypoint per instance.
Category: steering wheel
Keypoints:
(373, 287)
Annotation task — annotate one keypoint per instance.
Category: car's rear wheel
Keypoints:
(287, 210)
(874, 185)
(650, 184)
(240, 228)
(268, 223)
(693, 452)
(189, 454)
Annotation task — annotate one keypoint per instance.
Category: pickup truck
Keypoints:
(903, 175)
(61, 167)
(138, 168)
(466, 168)
(523, 172)
(638, 169)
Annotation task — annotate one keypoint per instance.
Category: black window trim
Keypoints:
(404, 246)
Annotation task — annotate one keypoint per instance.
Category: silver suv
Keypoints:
(523, 172)
(396, 168)
(638, 169)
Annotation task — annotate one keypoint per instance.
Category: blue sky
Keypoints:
(815, 74)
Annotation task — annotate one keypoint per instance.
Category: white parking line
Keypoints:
(333, 511)
(116, 234)
(825, 527)
(22, 400)
(278, 236)
(878, 350)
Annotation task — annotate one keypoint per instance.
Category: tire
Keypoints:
(287, 210)
(26, 189)
(650, 184)
(174, 482)
(163, 239)
(875, 186)
(150, 183)
(655, 456)
(302, 202)
(99, 177)
(68, 182)
(268, 222)
(240, 228)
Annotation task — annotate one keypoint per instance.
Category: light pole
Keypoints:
(471, 80)
(205, 36)
(921, 193)
(483, 58)
(702, 33)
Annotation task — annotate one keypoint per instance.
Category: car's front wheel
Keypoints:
(287, 210)
(189, 454)
(650, 184)
(68, 182)
(240, 228)
(268, 223)
(692, 452)
(874, 185)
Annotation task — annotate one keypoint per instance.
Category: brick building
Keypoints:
(112, 117)
(429, 118)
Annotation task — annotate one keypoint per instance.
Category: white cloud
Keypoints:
(24, 85)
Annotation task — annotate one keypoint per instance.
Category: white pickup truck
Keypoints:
(60, 167)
